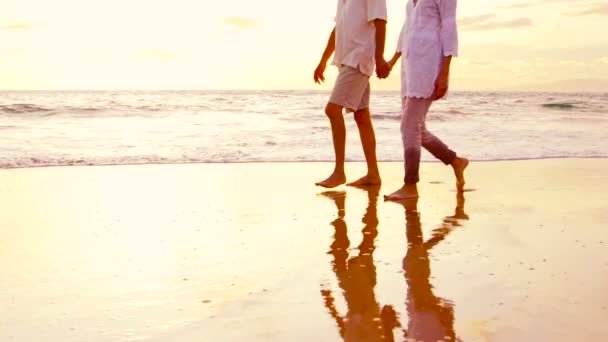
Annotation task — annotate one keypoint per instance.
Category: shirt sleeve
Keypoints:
(376, 9)
(449, 30)
(401, 40)
(337, 10)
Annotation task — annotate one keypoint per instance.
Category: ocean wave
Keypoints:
(157, 160)
(26, 108)
(74, 109)
(33, 162)
(122, 128)
(557, 105)
(441, 115)
(118, 109)
(453, 112)
(23, 108)
(8, 127)
(387, 116)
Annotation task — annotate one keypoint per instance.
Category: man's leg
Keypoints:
(348, 93)
(338, 133)
(368, 141)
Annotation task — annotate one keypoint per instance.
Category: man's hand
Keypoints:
(383, 69)
(319, 71)
(329, 50)
(441, 86)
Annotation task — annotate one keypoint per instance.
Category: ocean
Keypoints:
(60, 128)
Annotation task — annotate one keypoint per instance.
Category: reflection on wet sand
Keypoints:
(365, 320)
(430, 318)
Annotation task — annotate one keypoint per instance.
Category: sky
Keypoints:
(545, 45)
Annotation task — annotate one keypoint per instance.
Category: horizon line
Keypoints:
(294, 90)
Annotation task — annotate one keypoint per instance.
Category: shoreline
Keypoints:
(476, 161)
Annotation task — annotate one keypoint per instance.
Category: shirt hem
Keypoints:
(417, 96)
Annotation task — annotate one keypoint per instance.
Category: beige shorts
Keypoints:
(351, 90)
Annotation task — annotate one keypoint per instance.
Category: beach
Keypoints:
(256, 252)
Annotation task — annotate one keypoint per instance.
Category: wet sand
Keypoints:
(256, 252)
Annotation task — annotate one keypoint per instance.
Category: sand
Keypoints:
(255, 252)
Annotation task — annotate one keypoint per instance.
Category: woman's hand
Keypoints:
(441, 86)
(394, 60)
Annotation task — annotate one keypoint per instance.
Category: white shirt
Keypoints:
(429, 33)
(356, 33)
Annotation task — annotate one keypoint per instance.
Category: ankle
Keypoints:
(373, 174)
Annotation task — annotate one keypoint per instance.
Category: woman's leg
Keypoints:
(442, 152)
(412, 124)
(436, 147)
(412, 127)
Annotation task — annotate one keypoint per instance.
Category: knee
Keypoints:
(333, 110)
(403, 125)
(411, 131)
(411, 126)
(426, 135)
(362, 117)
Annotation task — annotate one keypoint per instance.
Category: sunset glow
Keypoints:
(272, 44)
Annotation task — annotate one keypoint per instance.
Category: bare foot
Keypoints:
(335, 195)
(407, 191)
(333, 181)
(366, 180)
(459, 165)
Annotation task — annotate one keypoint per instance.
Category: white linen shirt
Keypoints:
(429, 33)
(356, 33)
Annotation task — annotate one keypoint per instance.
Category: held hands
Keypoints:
(391, 64)
(383, 69)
